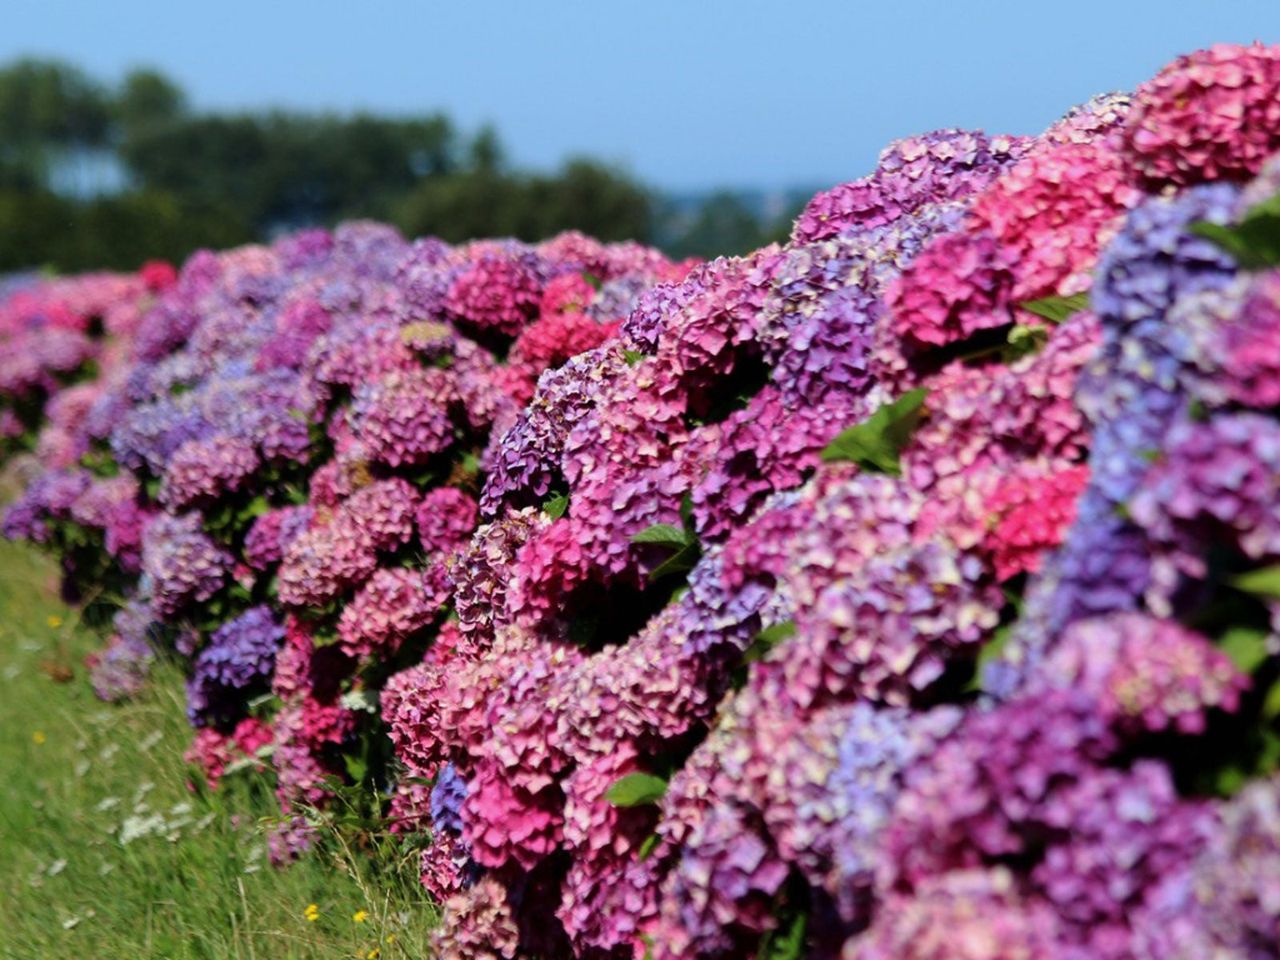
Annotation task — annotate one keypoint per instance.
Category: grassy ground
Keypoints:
(107, 853)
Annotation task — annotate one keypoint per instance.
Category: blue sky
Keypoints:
(684, 93)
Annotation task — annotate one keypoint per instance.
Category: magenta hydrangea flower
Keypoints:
(1146, 674)
(933, 168)
(271, 534)
(1214, 114)
(1237, 342)
(404, 417)
(203, 469)
(499, 292)
(963, 915)
(478, 923)
(391, 606)
(445, 519)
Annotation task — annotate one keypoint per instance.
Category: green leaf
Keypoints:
(1056, 309)
(632, 357)
(1254, 242)
(1230, 780)
(686, 558)
(650, 844)
(1263, 582)
(1271, 702)
(787, 942)
(767, 639)
(324, 638)
(990, 652)
(1246, 646)
(686, 511)
(636, 790)
(254, 509)
(663, 534)
(876, 443)
(1024, 340)
(356, 767)
(556, 506)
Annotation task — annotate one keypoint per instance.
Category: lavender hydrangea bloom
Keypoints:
(1227, 902)
(240, 654)
(1136, 384)
(447, 795)
(1214, 486)
(182, 563)
(119, 670)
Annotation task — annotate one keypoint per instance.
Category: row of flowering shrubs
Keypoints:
(910, 590)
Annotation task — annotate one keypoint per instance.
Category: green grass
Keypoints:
(197, 884)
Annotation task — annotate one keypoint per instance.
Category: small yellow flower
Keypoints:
(38, 737)
(54, 621)
(373, 954)
(360, 916)
(391, 938)
(312, 913)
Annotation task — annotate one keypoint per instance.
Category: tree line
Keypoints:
(95, 175)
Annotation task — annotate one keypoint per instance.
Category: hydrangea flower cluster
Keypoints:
(908, 589)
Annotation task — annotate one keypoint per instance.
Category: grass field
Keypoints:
(108, 854)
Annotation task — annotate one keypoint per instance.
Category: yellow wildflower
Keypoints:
(38, 737)
(391, 938)
(373, 954)
(312, 913)
(54, 621)
(360, 916)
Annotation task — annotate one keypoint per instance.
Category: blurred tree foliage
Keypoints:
(93, 176)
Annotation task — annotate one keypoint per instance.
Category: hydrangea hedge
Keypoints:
(909, 590)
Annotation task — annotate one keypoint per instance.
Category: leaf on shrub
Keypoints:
(686, 558)
(650, 844)
(767, 639)
(686, 512)
(253, 509)
(356, 767)
(1254, 242)
(324, 638)
(636, 790)
(555, 507)
(876, 443)
(991, 651)
(262, 703)
(1056, 309)
(1246, 646)
(1264, 582)
(663, 534)
(787, 941)
(632, 357)
(1024, 340)
(1271, 702)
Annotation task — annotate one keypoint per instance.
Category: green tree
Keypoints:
(148, 98)
(47, 110)
(583, 196)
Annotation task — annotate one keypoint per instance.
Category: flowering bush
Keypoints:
(908, 589)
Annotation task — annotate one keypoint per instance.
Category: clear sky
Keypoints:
(684, 93)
